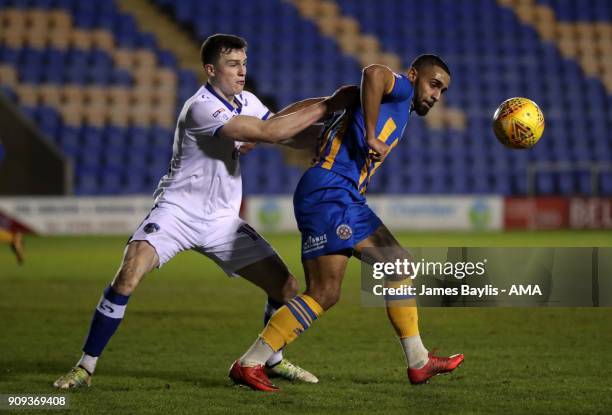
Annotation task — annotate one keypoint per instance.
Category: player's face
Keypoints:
(429, 85)
(229, 73)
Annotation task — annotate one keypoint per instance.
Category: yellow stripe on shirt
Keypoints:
(335, 146)
(386, 131)
(387, 92)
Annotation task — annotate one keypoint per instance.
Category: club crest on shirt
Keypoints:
(151, 227)
(344, 232)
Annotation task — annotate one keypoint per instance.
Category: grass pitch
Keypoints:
(187, 322)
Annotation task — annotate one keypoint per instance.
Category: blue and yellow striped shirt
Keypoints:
(344, 149)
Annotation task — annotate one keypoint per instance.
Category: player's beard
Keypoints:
(419, 107)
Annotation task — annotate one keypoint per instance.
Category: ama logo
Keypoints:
(519, 289)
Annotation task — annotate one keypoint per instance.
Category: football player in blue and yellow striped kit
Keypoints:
(335, 221)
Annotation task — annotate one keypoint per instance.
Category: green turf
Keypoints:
(187, 322)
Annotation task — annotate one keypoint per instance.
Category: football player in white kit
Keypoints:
(197, 201)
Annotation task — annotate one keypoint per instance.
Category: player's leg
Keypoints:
(17, 247)
(15, 240)
(6, 236)
(324, 276)
(139, 259)
(272, 275)
(321, 213)
(402, 311)
(159, 237)
(240, 251)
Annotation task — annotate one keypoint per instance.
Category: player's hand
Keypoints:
(344, 97)
(246, 147)
(378, 150)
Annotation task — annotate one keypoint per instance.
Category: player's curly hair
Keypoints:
(429, 59)
(219, 43)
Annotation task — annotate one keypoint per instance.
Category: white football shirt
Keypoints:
(204, 176)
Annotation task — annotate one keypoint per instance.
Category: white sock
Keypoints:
(415, 351)
(88, 362)
(258, 354)
(268, 313)
(275, 359)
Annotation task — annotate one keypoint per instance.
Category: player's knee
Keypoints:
(326, 295)
(330, 299)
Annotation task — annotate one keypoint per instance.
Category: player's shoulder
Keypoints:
(247, 98)
(399, 87)
(398, 76)
(202, 98)
(203, 105)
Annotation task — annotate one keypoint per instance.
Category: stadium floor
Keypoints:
(187, 322)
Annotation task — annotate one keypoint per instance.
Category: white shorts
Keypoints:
(228, 240)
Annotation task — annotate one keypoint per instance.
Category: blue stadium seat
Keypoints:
(92, 138)
(86, 182)
(110, 181)
(112, 159)
(48, 120)
(138, 138)
(121, 77)
(88, 159)
(605, 184)
(133, 183)
(75, 74)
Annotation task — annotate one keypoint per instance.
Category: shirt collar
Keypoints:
(224, 101)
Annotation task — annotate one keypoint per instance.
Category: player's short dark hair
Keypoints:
(219, 43)
(428, 59)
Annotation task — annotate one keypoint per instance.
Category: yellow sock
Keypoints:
(6, 236)
(290, 321)
(402, 311)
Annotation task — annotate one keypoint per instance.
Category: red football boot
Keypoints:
(434, 366)
(254, 377)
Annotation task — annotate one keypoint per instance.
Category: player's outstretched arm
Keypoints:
(307, 139)
(252, 129)
(296, 106)
(376, 81)
(282, 127)
(345, 95)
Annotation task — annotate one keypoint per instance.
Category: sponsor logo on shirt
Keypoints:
(314, 243)
(219, 111)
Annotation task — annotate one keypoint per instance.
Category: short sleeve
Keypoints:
(400, 90)
(206, 118)
(254, 106)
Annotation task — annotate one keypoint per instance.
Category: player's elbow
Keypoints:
(376, 75)
(374, 70)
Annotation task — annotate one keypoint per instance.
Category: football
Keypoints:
(518, 123)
